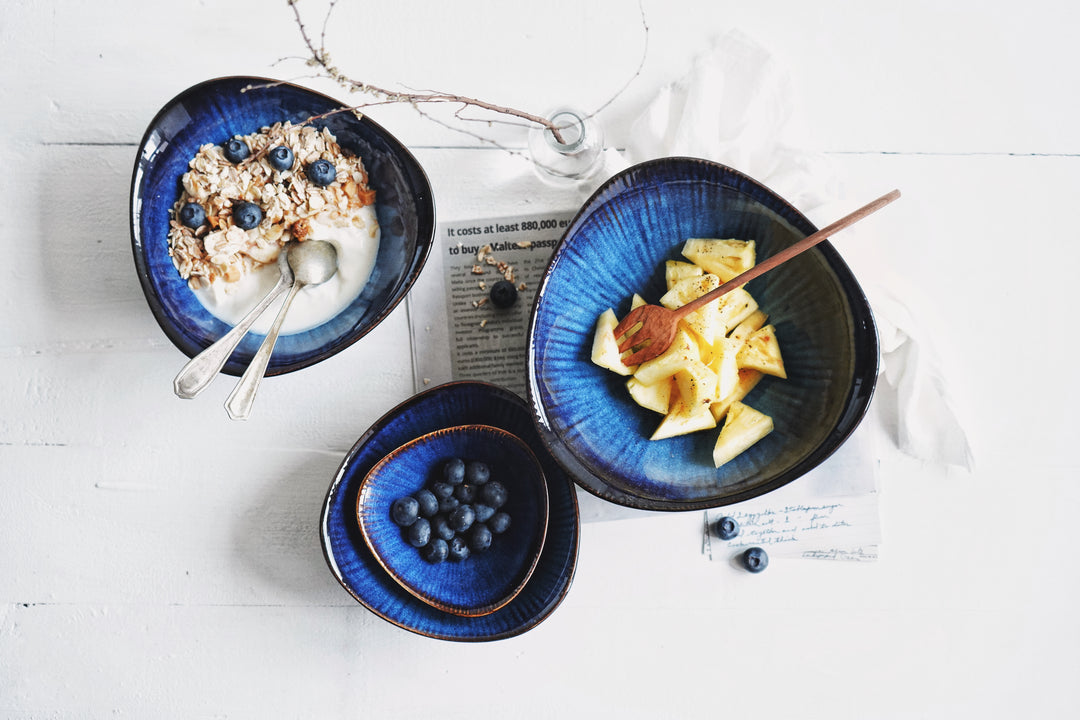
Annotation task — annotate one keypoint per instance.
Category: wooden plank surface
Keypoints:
(161, 561)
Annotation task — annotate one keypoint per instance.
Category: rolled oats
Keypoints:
(221, 250)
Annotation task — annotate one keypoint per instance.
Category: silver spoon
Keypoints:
(200, 371)
(313, 262)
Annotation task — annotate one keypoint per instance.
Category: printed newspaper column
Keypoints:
(470, 337)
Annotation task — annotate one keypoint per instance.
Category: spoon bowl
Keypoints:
(312, 262)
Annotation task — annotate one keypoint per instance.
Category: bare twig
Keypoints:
(320, 58)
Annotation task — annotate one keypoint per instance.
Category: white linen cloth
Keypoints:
(735, 106)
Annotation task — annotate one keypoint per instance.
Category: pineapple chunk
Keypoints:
(684, 419)
(637, 301)
(676, 270)
(743, 427)
(697, 384)
(703, 321)
(734, 307)
(656, 397)
(762, 352)
(605, 349)
(724, 363)
(688, 289)
(682, 352)
(748, 380)
(753, 322)
(724, 258)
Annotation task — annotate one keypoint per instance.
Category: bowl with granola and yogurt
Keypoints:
(231, 170)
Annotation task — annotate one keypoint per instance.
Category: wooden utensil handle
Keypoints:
(787, 253)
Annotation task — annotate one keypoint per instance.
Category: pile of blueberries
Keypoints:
(754, 559)
(456, 515)
(248, 215)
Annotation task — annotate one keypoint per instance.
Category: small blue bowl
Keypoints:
(214, 111)
(358, 571)
(485, 581)
(616, 246)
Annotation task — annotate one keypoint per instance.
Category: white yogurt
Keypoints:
(357, 248)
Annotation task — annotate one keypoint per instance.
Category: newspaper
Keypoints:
(458, 332)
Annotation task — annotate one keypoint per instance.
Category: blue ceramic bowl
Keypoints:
(354, 565)
(484, 581)
(616, 246)
(216, 110)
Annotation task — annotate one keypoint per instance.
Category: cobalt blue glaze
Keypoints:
(355, 567)
(213, 112)
(487, 580)
(616, 246)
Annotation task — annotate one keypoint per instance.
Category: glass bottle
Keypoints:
(577, 157)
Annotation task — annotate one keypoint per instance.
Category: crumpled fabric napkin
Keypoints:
(736, 106)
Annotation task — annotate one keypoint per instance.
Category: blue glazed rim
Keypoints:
(865, 347)
(486, 581)
(359, 573)
(211, 111)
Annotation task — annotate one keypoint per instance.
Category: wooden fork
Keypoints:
(650, 329)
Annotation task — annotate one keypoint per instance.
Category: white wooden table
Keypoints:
(159, 560)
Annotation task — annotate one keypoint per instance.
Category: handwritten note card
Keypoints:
(831, 513)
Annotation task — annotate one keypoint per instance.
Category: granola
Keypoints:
(219, 248)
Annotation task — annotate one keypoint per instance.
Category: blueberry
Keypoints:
(447, 504)
(280, 158)
(483, 512)
(479, 537)
(236, 150)
(192, 215)
(499, 523)
(493, 494)
(755, 559)
(321, 172)
(461, 518)
(454, 471)
(440, 526)
(477, 472)
(435, 551)
(429, 504)
(442, 490)
(404, 511)
(459, 549)
(246, 215)
(465, 492)
(503, 294)
(726, 528)
(419, 533)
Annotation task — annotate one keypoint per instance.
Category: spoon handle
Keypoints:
(198, 373)
(239, 402)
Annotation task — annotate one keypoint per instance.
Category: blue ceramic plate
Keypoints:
(484, 581)
(216, 110)
(355, 567)
(616, 246)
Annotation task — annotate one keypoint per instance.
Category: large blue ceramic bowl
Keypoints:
(357, 569)
(616, 246)
(488, 579)
(216, 110)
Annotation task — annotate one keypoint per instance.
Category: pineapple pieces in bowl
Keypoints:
(618, 245)
(720, 352)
